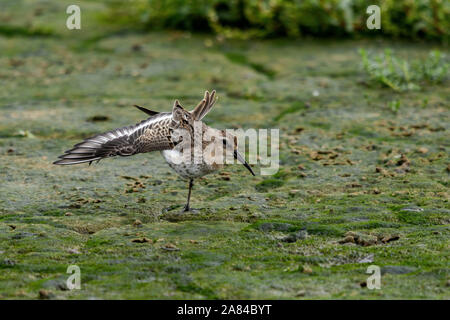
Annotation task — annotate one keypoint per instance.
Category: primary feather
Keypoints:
(204, 106)
(152, 134)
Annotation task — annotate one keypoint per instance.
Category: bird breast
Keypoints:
(185, 168)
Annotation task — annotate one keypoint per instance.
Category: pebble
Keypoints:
(170, 247)
(141, 240)
(137, 223)
(422, 150)
(307, 269)
(301, 293)
(44, 294)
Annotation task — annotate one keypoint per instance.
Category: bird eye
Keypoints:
(186, 118)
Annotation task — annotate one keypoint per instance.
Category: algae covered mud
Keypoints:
(363, 179)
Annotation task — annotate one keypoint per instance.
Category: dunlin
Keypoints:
(171, 133)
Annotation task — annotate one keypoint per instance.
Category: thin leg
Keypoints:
(187, 207)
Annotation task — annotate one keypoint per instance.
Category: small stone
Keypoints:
(170, 247)
(403, 161)
(301, 167)
(355, 185)
(44, 294)
(73, 251)
(137, 223)
(360, 239)
(307, 269)
(389, 238)
(383, 171)
(141, 240)
(422, 150)
(301, 293)
(136, 47)
(366, 241)
(347, 239)
(68, 214)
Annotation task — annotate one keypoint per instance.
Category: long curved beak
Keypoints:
(241, 159)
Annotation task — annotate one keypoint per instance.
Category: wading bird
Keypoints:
(157, 133)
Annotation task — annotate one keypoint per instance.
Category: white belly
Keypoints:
(186, 169)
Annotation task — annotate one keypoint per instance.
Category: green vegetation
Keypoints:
(256, 18)
(394, 105)
(11, 31)
(401, 75)
(364, 170)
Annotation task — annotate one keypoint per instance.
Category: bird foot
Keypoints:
(189, 209)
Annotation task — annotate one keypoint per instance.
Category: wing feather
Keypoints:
(149, 135)
(204, 106)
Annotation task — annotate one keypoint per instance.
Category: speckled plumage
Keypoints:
(157, 134)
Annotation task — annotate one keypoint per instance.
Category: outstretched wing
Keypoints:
(149, 135)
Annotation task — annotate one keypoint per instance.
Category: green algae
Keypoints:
(341, 159)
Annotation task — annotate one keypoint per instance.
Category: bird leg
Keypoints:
(187, 207)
